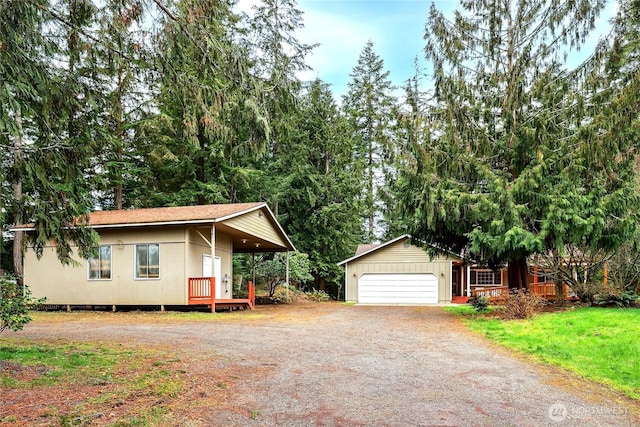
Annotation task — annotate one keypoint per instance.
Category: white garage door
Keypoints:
(382, 288)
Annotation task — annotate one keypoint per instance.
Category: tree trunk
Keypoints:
(17, 196)
(517, 273)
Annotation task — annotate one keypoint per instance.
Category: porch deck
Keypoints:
(545, 290)
(202, 291)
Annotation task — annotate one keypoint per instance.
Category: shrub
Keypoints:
(521, 304)
(480, 303)
(614, 298)
(15, 303)
(320, 296)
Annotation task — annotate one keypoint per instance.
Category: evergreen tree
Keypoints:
(208, 103)
(517, 162)
(120, 64)
(321, 209)
(369, 107)
(44, 151)
(278, 58)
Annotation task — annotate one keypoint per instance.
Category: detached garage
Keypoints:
(397, 272)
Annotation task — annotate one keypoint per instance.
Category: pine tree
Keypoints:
(369, 107)
(517, 162)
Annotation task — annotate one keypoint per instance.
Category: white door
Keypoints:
(398, 288)
(214, 266)
(207, 269)
(217, 273)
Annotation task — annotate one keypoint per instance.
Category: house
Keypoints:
(398, 272)
(161, 256)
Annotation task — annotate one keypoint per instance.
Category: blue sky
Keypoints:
(396, 28)
(343, 27)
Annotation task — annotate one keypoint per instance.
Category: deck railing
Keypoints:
(202, 290)
(252, 294)
(548, 290)
(493, 293)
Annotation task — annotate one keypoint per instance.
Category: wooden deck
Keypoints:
(546, 290)
(202, 291)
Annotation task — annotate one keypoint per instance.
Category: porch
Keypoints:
(202, 291)
(545, 290)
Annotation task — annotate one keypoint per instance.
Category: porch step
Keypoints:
(459, 300)
(233, 304)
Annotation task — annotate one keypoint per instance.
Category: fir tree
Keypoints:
(369, 107)
(516, 163)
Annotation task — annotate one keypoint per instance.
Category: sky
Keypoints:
(396, 28)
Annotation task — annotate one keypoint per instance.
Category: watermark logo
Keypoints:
(558, 412)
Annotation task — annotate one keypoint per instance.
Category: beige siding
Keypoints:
(257, 224)
(198, 247)
(399, 258)
(70, 284)
(178, 261)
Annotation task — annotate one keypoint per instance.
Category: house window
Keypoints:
(100, 265)
(148, 261)
(486, 278)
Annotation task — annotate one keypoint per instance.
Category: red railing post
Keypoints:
(212, 290)
(252, 294)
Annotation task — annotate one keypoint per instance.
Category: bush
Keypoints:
(521, 304)
(320, 296)
(480, 303)
(15, 303)
(618, 299)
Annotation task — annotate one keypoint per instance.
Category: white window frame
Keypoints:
(135, 261)
(101, 279)
(474, 275)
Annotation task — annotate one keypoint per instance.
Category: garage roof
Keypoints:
(367, 249)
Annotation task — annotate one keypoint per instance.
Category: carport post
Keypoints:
(287, 273)
(468, 280)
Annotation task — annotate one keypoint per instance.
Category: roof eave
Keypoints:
(382, 245)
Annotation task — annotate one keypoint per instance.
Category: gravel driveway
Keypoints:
(337, 365)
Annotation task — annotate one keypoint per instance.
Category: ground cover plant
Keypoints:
(598, 343)
(94, 378)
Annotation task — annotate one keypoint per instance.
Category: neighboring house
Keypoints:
(398, 272)
(158, 256)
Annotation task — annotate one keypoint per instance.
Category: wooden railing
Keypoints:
(202, 290)
(493, 293)
(548, 290)
(252, 294)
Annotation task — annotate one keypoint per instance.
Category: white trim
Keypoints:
(380, 246)
(346, 282)
(246, 211)
(89, 279)
(135, 261)
(194, 221)
(450, 280)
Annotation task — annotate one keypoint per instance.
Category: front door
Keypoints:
(455, 281)
(217, 273)
(214, 266)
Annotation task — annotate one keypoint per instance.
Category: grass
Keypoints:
(125, 374)
(597, 343)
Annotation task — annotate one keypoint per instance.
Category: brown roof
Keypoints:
(364, 247)
(171, 214)
(177, 214)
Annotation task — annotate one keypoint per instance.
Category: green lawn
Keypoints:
(602, 344)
